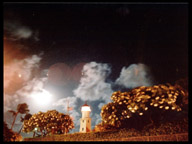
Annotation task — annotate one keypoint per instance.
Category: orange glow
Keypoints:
(160, 106)
(157, 98)
(140, 113)
(133, 111)
(12, 79)
(155, 105)
(167, 107)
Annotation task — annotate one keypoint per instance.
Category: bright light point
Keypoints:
(155, 105)
(167, 107)
(160, 106)
(140, 113)
(85, 108)
(42, 98)
(19, 75)
(133, 111)
(157, 98)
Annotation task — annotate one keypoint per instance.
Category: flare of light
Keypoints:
(19, 75)
(167, 107)
(42, 98)
(155, 105)
(160, 106)
(140, 113)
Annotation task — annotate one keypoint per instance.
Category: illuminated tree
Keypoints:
(143, 105)
(51, 122)
(22, 109)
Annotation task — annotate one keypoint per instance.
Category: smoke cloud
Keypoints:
(135, 75)
(18, 84)
(32, 87)
(16, 31)
(92, 84)
(20, 70)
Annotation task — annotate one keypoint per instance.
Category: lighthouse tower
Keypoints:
(85, 121)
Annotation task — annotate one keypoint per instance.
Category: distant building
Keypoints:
(85, 121)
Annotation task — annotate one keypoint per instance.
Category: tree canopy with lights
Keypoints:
(50, 122)
(142, 106)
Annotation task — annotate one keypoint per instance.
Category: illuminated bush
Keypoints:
(142, 105)
(50, 122)
(103, 127)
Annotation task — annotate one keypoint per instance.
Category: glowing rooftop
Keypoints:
(85, 107)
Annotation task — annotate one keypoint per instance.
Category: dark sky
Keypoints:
(119, 34)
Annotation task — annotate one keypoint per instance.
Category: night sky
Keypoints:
(118, 35)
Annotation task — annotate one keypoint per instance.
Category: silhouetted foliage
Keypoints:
(22, 109)
(26, 117)
(9, 135)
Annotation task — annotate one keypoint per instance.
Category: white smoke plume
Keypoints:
(33, 86)
(135, 75)
(92, 84)
(17, 31)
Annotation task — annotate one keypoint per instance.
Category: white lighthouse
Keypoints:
(85, 121)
